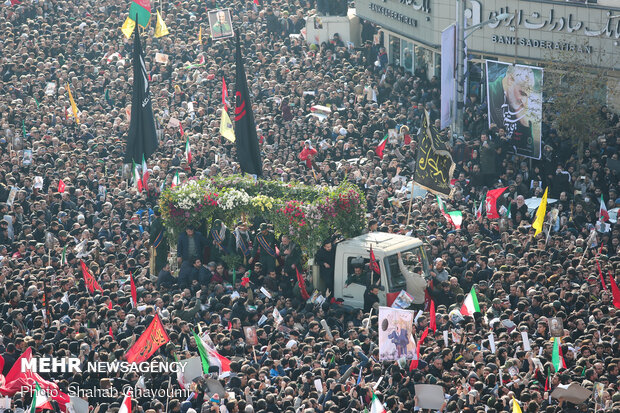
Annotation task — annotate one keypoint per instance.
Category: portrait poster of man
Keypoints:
(395, 332)
(251, 338)
(514, 96)
(556, 327)
(221, 24)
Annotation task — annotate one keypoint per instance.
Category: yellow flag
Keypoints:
(515, 406)
(128, 27)
(200, 35)
(160, 27)
(74, 108)
(226, 127)
(540, 214)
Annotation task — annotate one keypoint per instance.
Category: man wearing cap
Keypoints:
(265, 247)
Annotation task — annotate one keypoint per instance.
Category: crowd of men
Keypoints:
(521, 281)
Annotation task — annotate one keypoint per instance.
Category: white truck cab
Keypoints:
(385, 246)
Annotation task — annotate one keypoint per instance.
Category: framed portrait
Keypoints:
(221, 24)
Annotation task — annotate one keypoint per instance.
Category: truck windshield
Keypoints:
(396, 281)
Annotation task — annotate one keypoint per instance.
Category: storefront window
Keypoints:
(394, 50)
(422, 60)
(406, 52)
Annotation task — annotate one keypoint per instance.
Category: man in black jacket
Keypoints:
(189, 248)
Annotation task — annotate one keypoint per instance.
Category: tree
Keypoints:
(575, 93)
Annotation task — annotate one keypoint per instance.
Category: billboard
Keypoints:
(514, 97)
(447, 74)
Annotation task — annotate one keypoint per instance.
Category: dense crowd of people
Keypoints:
(521, 281)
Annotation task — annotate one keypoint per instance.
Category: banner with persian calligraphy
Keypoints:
(514, 96)
(434, 165)
(153, 338)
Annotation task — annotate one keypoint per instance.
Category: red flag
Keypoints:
(491, 202)
(433, 321)
(256, 2)
(110, 304)
(614, 290)
(374, 265)
(302, 285)
(134, 292)
(16, 378)
(427, 298)
(181, 129)
(224, 94)
(89, 279)
(61, 186)
(245, 281)
(379, 149)
(147, 344)
(110, 332)
(600, 273)
(229, 325)
(414, 363)
(391, 297)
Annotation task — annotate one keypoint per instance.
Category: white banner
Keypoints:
(447, 74)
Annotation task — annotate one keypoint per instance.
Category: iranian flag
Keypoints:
(375, 405)
(478, 211)
(202, 351)
(457, 218)
(176, 181)
(145, 171)
(188, 151)
(556, 357)
(63, 258)
(136, 177)
(604, 215)
(216, 359)
(39, 400)
(470, 305)
(126, 405)
(379, 149)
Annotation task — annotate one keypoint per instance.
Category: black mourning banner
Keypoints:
(434, 165)
(141, 137)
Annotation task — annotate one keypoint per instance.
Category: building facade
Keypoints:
(536, 31)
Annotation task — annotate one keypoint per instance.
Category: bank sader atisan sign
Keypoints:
(549, 20)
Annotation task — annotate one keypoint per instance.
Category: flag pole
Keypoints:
(168, 398)
(410, 203)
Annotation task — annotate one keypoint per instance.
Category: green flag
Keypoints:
(508, 212)
(36, 101)
(204, 356)
(234, 277)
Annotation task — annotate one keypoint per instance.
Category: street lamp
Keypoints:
(493, 20)
(457, 104)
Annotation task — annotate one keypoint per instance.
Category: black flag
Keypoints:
(141, 138)
(248, 152)
(434, 165)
